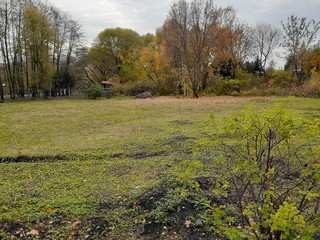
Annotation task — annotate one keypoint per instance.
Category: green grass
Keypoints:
(115, 151)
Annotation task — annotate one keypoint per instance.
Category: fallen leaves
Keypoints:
(33, 233)
(188, 223)
(51, 210)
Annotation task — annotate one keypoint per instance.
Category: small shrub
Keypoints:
(109, 93)
(94, 92)
(283, 78)
(230, 86)
(235, 87)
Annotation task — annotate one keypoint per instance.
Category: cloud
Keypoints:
(145, 16)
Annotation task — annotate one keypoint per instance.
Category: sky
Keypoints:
(145, 16)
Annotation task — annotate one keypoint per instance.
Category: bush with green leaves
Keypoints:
(94, 92)
(283, 78)
(243, 81)
(269, 169)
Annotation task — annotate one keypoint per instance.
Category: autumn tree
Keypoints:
(38, 36)
(11, 45)
(60, 36)
(299, 35)
(233, 45)
(312, 62)
(113, 55)
(202, 39)
(188, 31)
(150, 60)
(64, 73)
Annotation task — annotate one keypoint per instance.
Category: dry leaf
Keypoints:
(33, 233)
(188, 223)
(75, 225)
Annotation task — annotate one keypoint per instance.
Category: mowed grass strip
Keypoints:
(119, 149)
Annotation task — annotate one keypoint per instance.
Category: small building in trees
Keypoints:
(106, 85)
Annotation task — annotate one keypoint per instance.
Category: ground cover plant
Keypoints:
(126, 169)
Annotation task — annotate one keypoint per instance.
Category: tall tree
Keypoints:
(266, 39)
(233, 44)
(299, 35)
(114, 55)
(38, 36)
(16, 32)
(188, 31)
(8, 15)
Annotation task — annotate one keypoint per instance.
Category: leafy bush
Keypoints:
(109, 93)
(234, 87)
(282, 78)
(94, 92)
(230, 86)
(270, 175)
(225, 86)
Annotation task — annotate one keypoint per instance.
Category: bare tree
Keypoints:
(266, 39)
(233, 44)
(188, 32)
(240, 35)
(299, 36)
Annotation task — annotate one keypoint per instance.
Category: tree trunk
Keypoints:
(1, 91)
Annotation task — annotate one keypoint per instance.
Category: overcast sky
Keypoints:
(144, 16)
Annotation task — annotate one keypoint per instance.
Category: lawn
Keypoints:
(77, 169)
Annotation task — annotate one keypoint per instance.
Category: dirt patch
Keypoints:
(159, 213)
(182, 227)
(93, 228)
(57, 228)
(182, 122)
(139, 155)
(13, 228)
(26, 159)
(142, 155)
(117, 155)
(56, 158)
(170, 218)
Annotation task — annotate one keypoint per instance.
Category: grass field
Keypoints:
(75, 169)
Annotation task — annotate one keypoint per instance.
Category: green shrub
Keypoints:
(235, 87)
(94, 92)
(283, 78)
(271, 176)
(230, 86)
(109, 92)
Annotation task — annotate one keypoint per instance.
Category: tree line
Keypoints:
(38, 43)
(201, 48)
